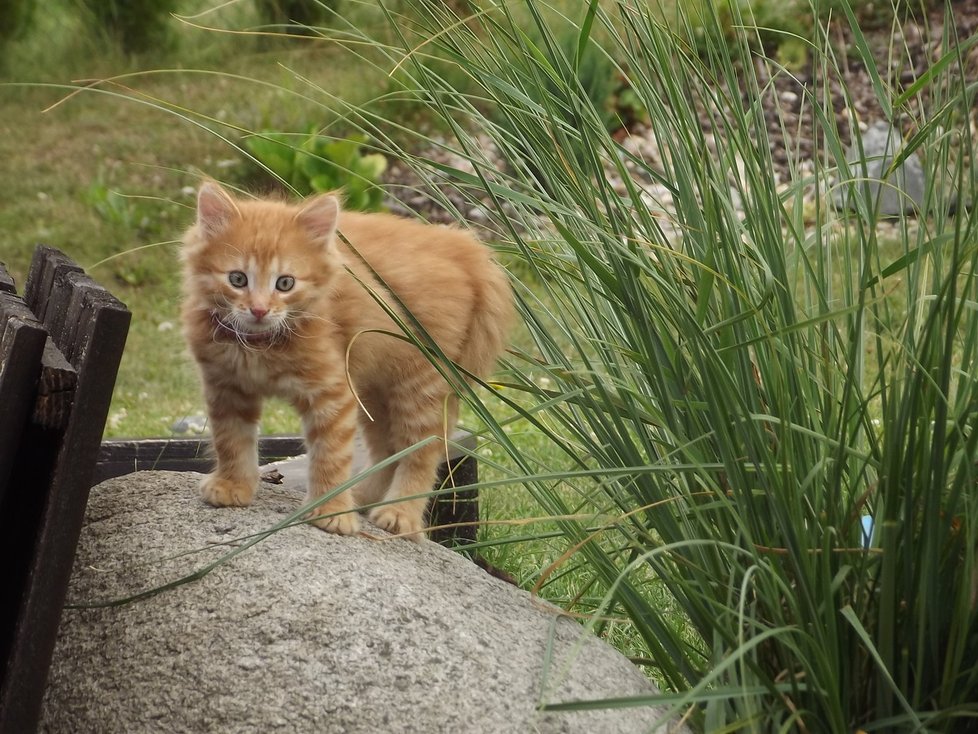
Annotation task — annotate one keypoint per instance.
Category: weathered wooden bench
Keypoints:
(60, 348)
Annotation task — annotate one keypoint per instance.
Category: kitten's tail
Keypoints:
(491, 320)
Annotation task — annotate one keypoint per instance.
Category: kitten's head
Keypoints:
(259, 267)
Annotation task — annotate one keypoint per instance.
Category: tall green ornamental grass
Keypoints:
(735, 379)
(723, 376)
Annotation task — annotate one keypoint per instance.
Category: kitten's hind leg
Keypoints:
(233, 421)
(415, 475)
(407, 497)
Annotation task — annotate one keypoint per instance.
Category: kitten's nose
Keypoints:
(259, 313)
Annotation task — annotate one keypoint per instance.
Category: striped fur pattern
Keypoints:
(276, 303)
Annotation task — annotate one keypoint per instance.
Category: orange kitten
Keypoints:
(277, 304)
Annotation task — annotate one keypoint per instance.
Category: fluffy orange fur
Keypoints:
(277, 304)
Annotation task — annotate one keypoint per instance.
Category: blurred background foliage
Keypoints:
(719, 374)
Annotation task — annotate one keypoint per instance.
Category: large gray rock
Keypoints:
(903, 190)
(307, 632)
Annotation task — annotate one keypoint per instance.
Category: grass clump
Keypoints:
(732, 387)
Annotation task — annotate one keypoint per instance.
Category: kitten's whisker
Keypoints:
(314, 317)
(295, 315)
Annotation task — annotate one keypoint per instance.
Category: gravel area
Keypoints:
(903, 54)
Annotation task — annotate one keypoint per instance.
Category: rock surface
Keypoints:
(901, 191)
(306, 631)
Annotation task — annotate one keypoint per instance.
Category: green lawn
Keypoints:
(108, 175)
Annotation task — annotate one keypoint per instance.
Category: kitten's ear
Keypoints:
(318, 216)
(215, 208)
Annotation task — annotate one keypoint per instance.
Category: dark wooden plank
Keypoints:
(460, 469)
(7, 284)
(22, 340)
(55, 389)
(96, 333)
(22, 508)
(12, 306)
(119, 457)
(460, 506)
(77, 297)
(48, 266)
(70, 302)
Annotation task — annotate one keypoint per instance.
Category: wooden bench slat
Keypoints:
(48, 267)
(119, 457)
(12, 306)
(55, 389)
(461, 506)
(7, 284)
(56, 317)
(89, 301)
(22, 341)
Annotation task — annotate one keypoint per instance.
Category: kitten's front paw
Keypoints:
(215, 490)
(399, 520)
(347, 523)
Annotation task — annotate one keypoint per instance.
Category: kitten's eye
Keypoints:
(285, 283)
(237, 279)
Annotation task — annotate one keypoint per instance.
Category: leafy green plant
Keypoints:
(113, 206)
(580, 83)
(138, 218)
(313, 163)
(137, 25)
(767, 25)
(297, 16)
(15, 19)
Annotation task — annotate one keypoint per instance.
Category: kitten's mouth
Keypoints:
(223, 331)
